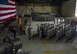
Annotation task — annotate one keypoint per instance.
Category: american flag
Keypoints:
(7, 10)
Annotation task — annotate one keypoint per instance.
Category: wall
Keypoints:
(68, 8)
(39, 9)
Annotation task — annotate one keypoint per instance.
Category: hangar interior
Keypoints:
(42, 27)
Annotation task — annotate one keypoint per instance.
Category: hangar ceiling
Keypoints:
(41, 2)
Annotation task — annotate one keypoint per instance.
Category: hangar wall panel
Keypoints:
(38, 9)
(68, 8)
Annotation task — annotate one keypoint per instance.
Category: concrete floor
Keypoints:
(46, 47)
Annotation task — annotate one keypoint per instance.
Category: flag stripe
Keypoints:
(11, 2)
(6, 6)
(7, 16)
(6, 19)
(6, 11)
